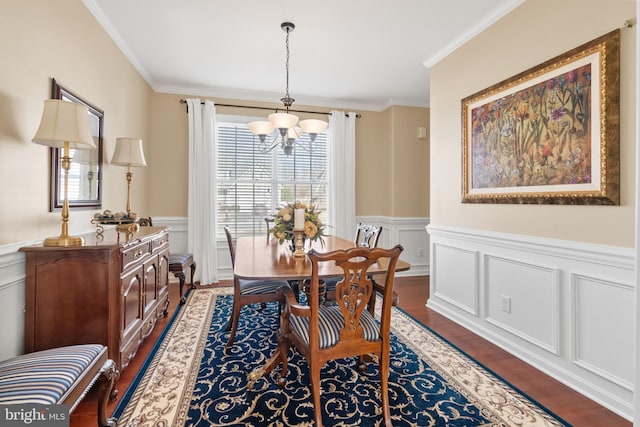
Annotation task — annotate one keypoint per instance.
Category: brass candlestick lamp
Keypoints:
(128, 153)
(64, 125)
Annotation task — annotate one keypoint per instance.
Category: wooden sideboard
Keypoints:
(109, 291)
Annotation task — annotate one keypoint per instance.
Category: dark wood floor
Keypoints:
(413, 292)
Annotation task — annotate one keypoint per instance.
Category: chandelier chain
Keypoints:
(287, 66)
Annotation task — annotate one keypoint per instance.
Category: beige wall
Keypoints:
(528, 36)
(46, 39)
(409, 160)
(391, 163)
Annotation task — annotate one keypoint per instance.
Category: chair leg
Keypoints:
(235, 317)
(314, 370)
(384, 387)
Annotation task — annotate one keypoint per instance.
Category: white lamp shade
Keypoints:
(283, 120)
(128, 152)
(261, 128)
(313, 126)
(64, 121)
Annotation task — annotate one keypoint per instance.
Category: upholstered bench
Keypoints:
(61, 375)
(178, 264)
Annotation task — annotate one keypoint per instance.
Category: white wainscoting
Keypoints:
(565, 307)
(12, 285)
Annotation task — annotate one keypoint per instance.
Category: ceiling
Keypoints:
(358, 54)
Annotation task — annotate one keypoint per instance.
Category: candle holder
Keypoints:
(299, 244)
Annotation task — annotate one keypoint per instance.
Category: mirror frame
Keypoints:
(60, 92)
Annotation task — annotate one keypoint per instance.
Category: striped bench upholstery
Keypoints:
(330, 323)
(58, 376)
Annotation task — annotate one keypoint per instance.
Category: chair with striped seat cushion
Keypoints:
(348, 328)
(330, 323)
(59, 376)
(248, 291)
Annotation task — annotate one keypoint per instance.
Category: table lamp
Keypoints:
(64, 125)
(128, 153)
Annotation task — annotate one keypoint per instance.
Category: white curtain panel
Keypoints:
(342, 174)
(201, 220)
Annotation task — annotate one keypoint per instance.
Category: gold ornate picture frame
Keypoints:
(549, 135)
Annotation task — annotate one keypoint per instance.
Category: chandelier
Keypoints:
(285, 123)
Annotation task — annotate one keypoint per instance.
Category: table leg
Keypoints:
(269, 366)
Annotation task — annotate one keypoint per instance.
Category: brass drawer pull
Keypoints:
(138, 254)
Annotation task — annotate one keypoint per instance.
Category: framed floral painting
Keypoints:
(549, 134)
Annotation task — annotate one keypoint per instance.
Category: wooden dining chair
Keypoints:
(326, 332)
(248, 291)
(367, 236)
(269, 221)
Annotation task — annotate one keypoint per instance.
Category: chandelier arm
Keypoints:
(268, 147)
(308, 149)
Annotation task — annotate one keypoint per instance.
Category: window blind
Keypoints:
(253, 184)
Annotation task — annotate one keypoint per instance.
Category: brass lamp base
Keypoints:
(64, 241)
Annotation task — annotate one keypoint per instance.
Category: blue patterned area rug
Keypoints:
(190, 380)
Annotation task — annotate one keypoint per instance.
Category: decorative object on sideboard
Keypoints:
(286, 122)
(128, 153)
(124, 222)
(64, 125)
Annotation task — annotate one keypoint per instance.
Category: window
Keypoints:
(253, 184)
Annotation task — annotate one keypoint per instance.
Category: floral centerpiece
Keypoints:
(284, 222)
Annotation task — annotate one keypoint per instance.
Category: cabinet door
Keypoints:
(163, 276)
(150, 297)
(131, 294)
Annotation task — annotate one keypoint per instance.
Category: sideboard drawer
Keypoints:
(160, 243)
(134, 254)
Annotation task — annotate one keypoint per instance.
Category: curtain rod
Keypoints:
(184, 101)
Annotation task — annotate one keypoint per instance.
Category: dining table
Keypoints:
(260, 258)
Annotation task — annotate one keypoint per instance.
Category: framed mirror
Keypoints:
(85, 175)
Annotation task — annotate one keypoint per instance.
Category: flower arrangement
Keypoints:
(284, 222)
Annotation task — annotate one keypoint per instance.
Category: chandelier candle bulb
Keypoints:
(298, 220)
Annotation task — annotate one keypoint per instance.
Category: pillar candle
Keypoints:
(298, 220)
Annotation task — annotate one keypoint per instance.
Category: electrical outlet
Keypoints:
(506, 304)
(420, 253)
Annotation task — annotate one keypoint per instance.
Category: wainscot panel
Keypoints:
(12, 284)
(564, 307)
(457, 280)
(518, 292)
(602, 343)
